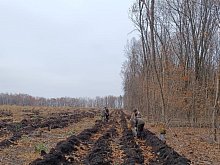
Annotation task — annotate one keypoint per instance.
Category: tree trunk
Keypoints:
(216, 109)
(154, 58)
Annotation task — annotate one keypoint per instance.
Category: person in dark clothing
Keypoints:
(106, 114)
(103, 114)
(137, 123)
(139, 126)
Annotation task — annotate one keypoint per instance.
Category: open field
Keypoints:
(78, 136)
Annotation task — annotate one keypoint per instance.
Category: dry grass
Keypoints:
(194, 143)
(24, 152)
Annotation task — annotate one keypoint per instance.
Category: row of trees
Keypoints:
(27, 100)
(171, 70)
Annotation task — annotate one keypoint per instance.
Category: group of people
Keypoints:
(137, 123)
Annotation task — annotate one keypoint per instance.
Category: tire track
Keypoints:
(133, 153)
(112, 143)
(117, 153)
(87, 145)
(101, 152)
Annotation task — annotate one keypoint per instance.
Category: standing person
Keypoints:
(133, 121)
(106, 114)
(103, 114)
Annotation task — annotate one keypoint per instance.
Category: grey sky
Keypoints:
(55, 48)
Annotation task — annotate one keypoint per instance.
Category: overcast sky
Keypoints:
(56, 48)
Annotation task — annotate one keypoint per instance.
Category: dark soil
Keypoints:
(26, 127)
(100, 151)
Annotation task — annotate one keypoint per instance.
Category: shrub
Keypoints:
(41, 147)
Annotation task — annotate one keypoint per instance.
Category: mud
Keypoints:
(131, 149)
(100, 152)
(5, 113)
(57, 155)
(26, 127)
(166, 155)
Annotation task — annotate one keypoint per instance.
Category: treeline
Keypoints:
(172, 68)
(27, 100)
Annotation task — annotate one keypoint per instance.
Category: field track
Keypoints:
(111, 143)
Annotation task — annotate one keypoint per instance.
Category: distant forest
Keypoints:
(27, 100)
